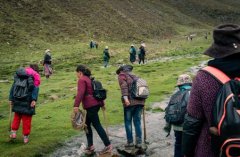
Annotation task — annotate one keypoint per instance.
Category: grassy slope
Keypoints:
(51, 125)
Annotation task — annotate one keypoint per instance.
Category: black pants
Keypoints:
(141, 60)
(178, 144)
(92, 118)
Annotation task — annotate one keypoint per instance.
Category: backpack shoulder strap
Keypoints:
(217, 74)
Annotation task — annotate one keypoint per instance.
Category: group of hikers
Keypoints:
(93, 44)
(204, 113)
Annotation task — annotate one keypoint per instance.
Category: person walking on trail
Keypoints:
(91, 44)
(132, 54)
(142, 53)
(106, 56)
(92, 106)
(96, 45)
(23, 97)
(178, 106)
(133, 108)
(225, 52)
(47, 63)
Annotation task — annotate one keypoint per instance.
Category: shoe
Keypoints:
(105, 150)
(89, 150)
(25, 139)
(129, 145)
(138, 145)
(13, 135)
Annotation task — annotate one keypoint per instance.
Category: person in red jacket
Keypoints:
(92, 106)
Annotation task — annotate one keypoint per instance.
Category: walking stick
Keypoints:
(105, 121)
(10, 118)
(144, 127)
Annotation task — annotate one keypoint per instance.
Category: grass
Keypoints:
(51, 126)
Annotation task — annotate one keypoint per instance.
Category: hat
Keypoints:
(143, 45)
(106, 47)
(132, 45)
(183, 79)
(47, 50)
(226, 41)
(125, 68)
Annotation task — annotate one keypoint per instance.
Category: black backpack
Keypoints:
(23, 84)
(177, 107)
(99, 92)
(225, 127)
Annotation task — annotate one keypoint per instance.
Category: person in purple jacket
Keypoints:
(225, 50)
(92, 106)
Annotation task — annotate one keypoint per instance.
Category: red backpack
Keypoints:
(225, 128)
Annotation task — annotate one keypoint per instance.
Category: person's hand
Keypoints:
(33, 103)
(103, 108)
(75, 109)
(127, 103)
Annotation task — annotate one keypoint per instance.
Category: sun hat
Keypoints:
(125, 68)
(226, 41)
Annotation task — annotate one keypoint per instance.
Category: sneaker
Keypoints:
(89, 150)
(129, 145)
(13, 135)
(105, 150)
(138, 145)
(25, 139)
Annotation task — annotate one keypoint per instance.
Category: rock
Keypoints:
(4, 81)
(54, 97)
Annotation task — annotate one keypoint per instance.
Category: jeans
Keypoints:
(178, 144)
(92, 118)
(133, 113)
(105, 63)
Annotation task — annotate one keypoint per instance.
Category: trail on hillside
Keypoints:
(159, 144)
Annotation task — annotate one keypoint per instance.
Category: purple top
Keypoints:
(202, 99)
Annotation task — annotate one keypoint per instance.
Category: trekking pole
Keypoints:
(105, 121)
(10, 118)
(144, 127)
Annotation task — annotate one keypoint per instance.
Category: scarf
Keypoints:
(229, 65)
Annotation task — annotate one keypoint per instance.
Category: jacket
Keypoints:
(85, 94)
(125, 80)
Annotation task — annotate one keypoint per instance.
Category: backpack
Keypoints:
(23, 84)
(139, 88)
(225, 128)
(99, 92)
(177, 107)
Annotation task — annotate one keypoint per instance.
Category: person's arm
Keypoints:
(193, 120)
(124, 88)
(80, 92)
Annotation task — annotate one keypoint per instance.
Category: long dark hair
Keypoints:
(34, 67)
(84, 69)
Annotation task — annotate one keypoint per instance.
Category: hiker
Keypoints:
(91, 44)
(178, 106)
(24, 101)
(132, 54)
(106, 56)
(47, 63)
(225, 51)
(133, 108)
(142, 53)
(96, 45)
(92, 106)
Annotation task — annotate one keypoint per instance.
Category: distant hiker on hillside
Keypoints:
(207, 127)
(106, 56)
(132, 107)
(142, 53)
(92, 106)
(132, 54)
(91, 44)
(96, 45)
(47, 63)
(176, 110)
(22, 98)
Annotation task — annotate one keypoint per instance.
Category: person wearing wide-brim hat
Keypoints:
(132, 53)
(106, 56)
(47, 63)
(225, 51)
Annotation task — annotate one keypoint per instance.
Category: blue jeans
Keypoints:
(133, 113)
(178, 144)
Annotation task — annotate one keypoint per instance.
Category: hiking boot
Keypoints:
(13, 135)
(107, 149)
(89, 150)
(25, 139)
(129, 145)
(138, 145)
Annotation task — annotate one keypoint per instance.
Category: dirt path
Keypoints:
(159, 144)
